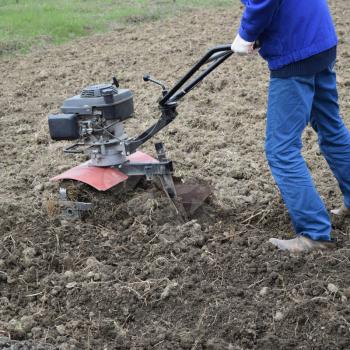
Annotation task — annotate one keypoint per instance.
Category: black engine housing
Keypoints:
(104, 100)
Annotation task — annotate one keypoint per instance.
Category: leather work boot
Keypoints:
(301, 244)
(343, 211)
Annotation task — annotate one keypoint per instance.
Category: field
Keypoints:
(28, 24)
(133, 276)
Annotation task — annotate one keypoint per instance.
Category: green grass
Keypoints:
(25, 24)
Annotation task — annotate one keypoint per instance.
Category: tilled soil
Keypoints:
(133, 275)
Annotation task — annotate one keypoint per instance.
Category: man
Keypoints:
(298, 40)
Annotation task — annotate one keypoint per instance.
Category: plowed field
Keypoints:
(133, 275)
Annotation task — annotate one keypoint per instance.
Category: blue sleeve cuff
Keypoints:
(246, 36)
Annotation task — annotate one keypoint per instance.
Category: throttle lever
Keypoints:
(115, 82)
(147, 78)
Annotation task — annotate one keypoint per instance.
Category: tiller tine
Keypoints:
(72, 210)
(101, 179)
(187, 198)
(191, 196)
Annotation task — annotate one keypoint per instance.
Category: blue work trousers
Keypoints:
(293, 103)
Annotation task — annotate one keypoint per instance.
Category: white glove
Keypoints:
(241, 46)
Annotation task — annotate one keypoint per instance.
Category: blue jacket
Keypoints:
(288, 30)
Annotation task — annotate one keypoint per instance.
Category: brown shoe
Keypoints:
(301, 244)
(343, 211)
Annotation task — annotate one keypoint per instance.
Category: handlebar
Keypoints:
(217, 55)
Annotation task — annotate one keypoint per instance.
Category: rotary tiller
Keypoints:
(95, 121)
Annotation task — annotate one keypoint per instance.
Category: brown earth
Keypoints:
(133, 276)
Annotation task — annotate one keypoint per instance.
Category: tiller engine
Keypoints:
(95, 121)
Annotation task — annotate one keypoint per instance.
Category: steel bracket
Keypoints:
(71, 210)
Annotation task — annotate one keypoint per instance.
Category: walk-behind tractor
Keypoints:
(95, 121)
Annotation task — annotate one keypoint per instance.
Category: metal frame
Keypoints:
(218, 54)
(148, 169)
(168, 103)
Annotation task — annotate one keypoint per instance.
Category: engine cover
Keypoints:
(95, 118)
(113, 103)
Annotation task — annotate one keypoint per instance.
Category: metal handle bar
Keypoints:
(217, 54)
(190, 86)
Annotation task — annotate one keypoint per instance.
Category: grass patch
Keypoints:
(25, 24)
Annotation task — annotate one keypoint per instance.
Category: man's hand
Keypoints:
(242, 47)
